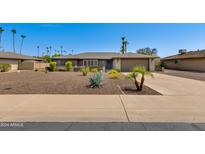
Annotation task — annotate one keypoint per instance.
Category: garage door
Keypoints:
(128, 64)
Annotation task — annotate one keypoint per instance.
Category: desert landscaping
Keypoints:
(31, 82)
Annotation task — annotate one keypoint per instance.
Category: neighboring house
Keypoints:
(108, 60)
(190, 61)
(18, 61)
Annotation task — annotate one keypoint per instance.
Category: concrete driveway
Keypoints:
(176, 86)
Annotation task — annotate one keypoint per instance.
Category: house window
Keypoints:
(177, 61)
(90, 63)
(84, 63)
(95, 63)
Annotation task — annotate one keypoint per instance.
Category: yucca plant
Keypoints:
(135, 72)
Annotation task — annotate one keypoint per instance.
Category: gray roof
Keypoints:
(187, 55)
(104, 55)
(11, 55)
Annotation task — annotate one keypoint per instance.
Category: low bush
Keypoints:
(5, 67)
(85, 71)
(69, 66)
(94, 70)
(95, 80)
(158, 66)
(61, 69)
(113, 74)
(52, 66)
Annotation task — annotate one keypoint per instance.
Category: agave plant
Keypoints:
(135, 72)
(95, 80)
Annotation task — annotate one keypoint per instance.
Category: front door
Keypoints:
(109, 64)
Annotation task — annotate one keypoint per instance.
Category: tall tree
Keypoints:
(1, 32)
(14, 33)
(123, 49)
(147, 51)
(65, 52)
(22, 40)
(50, 49)
(61, 49)
(47, 51)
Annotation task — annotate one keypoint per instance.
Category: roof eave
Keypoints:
(163, 59)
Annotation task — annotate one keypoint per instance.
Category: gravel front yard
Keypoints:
(30, 82)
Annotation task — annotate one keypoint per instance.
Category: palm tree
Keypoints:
(47, 51)
(14, 32)
(61, 49)
(38, 50)
(22, 39)
(154, 51)
(123, 49)
(1, 31)
(64, 51)
(50, 49)
(135, 72)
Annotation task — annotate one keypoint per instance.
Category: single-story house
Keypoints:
(108, 60)
(188, 61)
(20, 62)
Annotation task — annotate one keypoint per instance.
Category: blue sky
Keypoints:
(167, 38)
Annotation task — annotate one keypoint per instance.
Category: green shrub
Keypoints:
(5, 67)
(94, 70)
(69, 66)
(46, 58)
(113, 74)
(96, 80)
(85, 71)
(52, 66)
